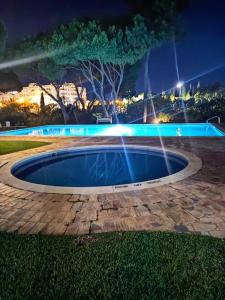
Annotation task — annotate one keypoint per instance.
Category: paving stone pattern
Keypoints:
(196, 204)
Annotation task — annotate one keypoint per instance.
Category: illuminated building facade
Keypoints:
(32, 93)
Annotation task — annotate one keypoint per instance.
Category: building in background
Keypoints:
(32, 93)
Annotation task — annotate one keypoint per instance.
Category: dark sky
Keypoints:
(201, 49)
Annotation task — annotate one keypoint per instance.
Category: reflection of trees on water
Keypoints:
(104, 168)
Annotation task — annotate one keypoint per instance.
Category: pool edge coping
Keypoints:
(194, 165)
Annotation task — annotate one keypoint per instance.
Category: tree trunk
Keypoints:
(79, 96)
(59, 101)
(104, 110)
(66, 116)
(146, 86)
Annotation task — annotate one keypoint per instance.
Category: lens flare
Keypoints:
(23, 61)
(179, 84)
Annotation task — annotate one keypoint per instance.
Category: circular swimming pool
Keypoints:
(100, 166)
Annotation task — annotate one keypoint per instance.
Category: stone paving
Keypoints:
(195, 204)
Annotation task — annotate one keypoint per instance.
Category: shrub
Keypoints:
(165, 118)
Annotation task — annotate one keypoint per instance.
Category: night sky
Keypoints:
(201, 49)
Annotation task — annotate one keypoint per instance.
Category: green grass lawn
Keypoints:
(112, 266)
(14, 146)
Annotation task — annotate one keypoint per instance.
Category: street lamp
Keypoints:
(179, 84)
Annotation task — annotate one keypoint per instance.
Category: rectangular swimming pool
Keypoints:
(188, 129)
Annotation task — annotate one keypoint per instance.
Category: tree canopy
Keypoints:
(161, 17)
(131, 73)
(9, 81)
(3, 37)
(99, 53)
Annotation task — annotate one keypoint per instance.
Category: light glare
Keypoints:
(179, 84)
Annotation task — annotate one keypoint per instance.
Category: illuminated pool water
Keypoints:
(188, 129)
(94, 167)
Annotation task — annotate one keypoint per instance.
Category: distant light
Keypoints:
(156, 121)
(179, 84)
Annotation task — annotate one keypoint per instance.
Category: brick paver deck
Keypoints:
(196, 204)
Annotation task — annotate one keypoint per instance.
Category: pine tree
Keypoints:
(42, 103)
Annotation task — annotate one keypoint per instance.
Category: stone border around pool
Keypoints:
(194, 165)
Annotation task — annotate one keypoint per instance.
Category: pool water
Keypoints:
(93, 167)
(188, 129)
